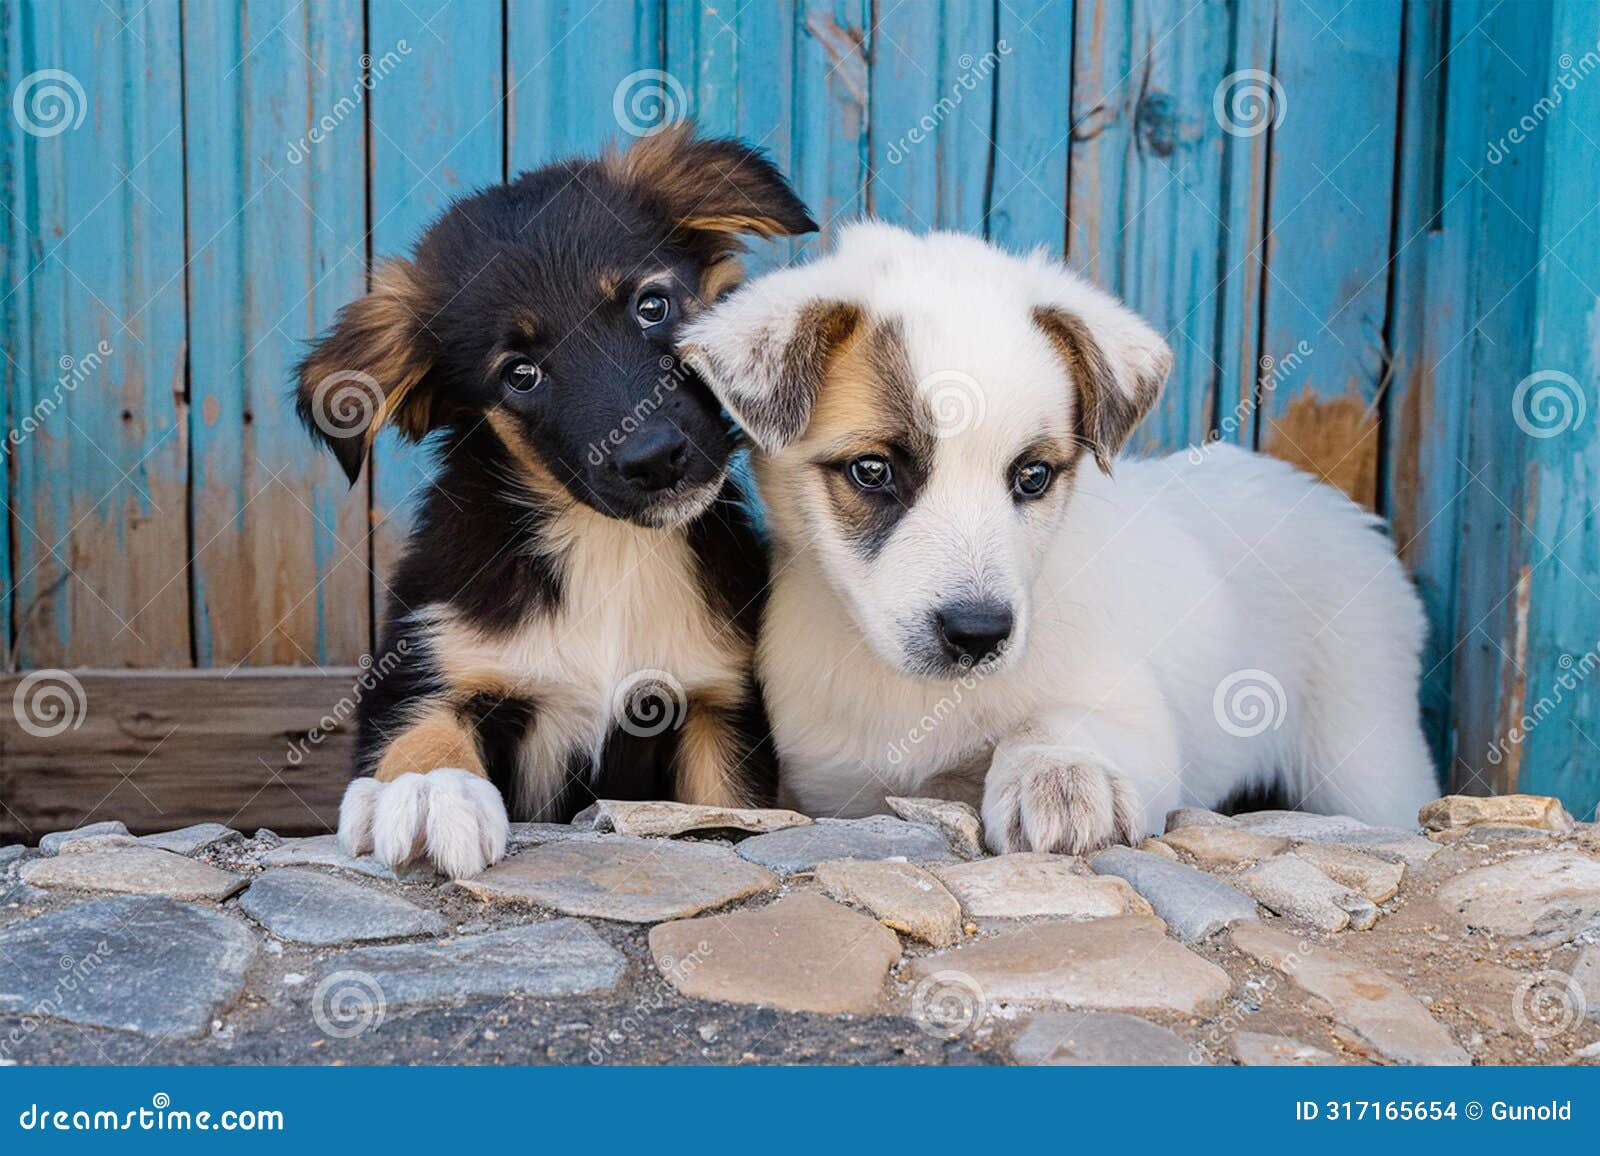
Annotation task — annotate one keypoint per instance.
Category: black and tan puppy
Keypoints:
(574, 615)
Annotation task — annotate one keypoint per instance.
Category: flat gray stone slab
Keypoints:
(1099, 1039)
(1183, 817)
(1389, 843)
(1455, 811)
(876, 837)
(901, 895)
(1193, 904)
(624, 878)
(801, 953)
(1367, 1002)
(1544, 899)
(663, 818)
(532, 834)
(1262, 1050)
(189, 840)
(958, 822)
(133, 870)
(324, 851)
(135, 963)
(54, 841)
(1121, 964)
(1287, 885)
(1224, 848)
(11, 852)
(1036, 884)
(306, 906)
(563, 957)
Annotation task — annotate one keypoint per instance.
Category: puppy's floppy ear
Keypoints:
(764, 354)
(1117, 365)
(721, 187)
(369, 370)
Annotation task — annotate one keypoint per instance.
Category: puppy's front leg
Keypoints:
(428, 797)
(1040, 796)
(1077, 779)
(724, 758)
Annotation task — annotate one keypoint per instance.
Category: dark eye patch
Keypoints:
(868, 518)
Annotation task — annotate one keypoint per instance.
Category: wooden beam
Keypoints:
(163, 749)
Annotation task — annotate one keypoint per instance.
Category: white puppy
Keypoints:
(963, 603)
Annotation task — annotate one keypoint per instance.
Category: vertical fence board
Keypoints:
(931, 107)
(1332, 168)
(15, 331)
(437, 124)
(831, 93)
(1432, 325)
(1033, 97)
(1564, 462)
(573, 64)
(1149, 163)
(736, 67)
(1501, 66)
(98, 510)
(276, 227)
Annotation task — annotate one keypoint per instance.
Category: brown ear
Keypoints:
(1118, 373)
(765, 358)
(369, 370)
(721, 187)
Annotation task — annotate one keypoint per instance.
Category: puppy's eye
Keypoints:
(1032, 479)
(651, 309)
(521, 375)
(871, 472)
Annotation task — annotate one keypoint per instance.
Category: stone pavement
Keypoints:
(656, 933)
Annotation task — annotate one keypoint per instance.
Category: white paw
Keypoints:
(453, 818)
(1039, 799)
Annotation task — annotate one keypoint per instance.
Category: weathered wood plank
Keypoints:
(1032, 126)
(1331, 173)
(830, 160)
(1559, 408)
(96, 275)
(575, 68)
(13, 315)
(276, 224)
(437, 125)
(1501, 66)
(932, 86)
(1155, 214)
(1431, 343)
(268, 748)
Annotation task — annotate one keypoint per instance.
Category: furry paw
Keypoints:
(1037, 799)
(453, 818)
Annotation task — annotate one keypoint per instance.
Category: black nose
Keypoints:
(973, 631)
(653, 458)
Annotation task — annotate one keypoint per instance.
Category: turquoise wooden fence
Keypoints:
(1368, 228)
